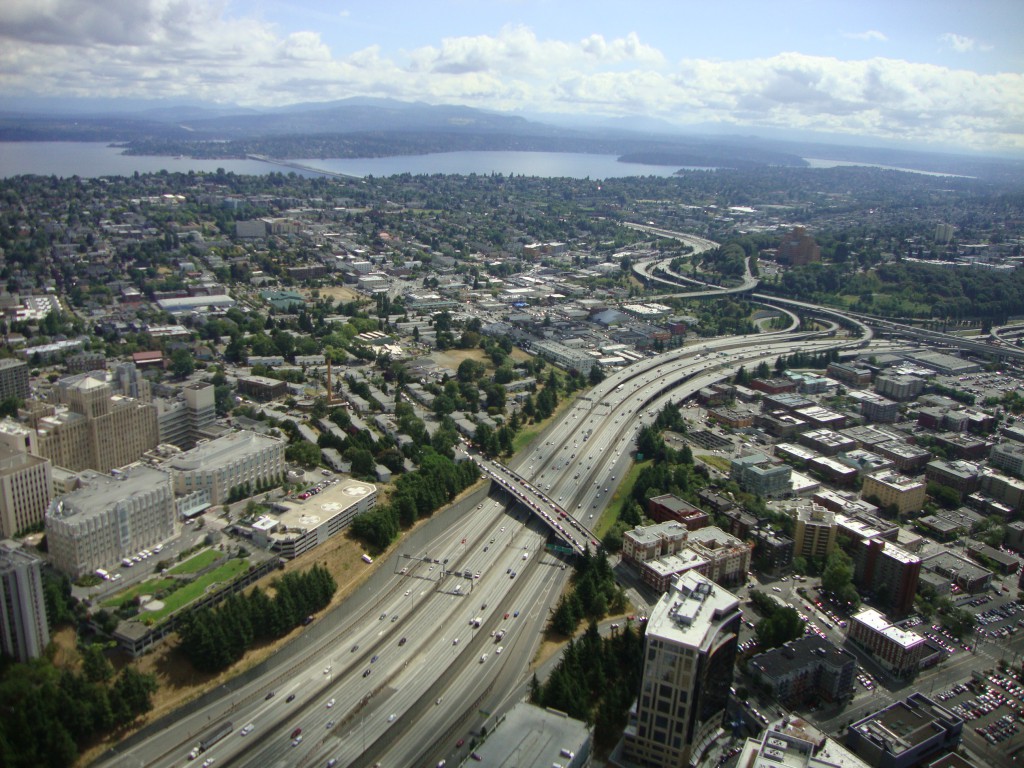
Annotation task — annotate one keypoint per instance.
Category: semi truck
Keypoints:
(210, 739)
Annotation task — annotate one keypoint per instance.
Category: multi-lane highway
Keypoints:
(401, 674)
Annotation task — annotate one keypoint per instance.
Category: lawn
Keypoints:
(195, 589)
(197, 563)
(720, 463)
(624, 490)
(145, 588)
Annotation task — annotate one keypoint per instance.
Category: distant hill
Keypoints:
(366, 127)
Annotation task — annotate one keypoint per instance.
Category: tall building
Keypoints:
(1009, 457)
(892, 489)
(24, 631)
(13, 379)
(26, 486)
(95, 430)
(888, 571)
(757, 474)
(108, 518)
(814, 533)
(690, 650)
(182, 420)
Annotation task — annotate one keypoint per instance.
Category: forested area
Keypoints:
(214, 638)
(596, 681)
(594, 594)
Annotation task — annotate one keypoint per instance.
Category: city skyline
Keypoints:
(929, 75)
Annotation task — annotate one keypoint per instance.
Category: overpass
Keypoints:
(566, 527)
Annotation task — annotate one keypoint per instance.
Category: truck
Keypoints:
(215, 735)
(475, 623)
(367, 559)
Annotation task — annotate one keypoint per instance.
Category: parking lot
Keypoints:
(992, 705)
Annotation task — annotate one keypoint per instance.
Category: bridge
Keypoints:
(566, 527)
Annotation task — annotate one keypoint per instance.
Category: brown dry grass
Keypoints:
(340, 293)
(450, 358)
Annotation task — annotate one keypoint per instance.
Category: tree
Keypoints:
(182, 363)
(95, 665)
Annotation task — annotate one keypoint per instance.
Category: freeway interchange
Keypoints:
(399, 675)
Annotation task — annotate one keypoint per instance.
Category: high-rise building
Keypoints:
(24, 631)
(889, 571)
(26, 487)
(689, 654)
(108, 518)
(814, 532)
(797, 248)
(13, 379)
(182, 420)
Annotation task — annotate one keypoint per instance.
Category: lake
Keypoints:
(93, 159)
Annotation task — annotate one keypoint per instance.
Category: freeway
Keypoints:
(406, 647)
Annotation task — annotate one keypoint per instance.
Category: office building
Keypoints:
(814, 530)
(26, 487)
(24, 630)
(899, 387)
(806, 671)
(893, 490)
(668, 507)
(244, 460)
(888, 571)
(689, 655)
(850, 374)
(906, 733)
(13, 379)
(779, 748)
(109, 517)
(964, 477)
(757, 474)
(182, 420)
(1008, 457)
(897, 650)
(798, 248)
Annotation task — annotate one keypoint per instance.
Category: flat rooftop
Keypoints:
(531, 737)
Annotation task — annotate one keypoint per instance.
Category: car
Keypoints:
(246, 729)
(374, 659)
(402, 641)
(291, 698)
(330, 703)
(506, 615)
(296, 741)
(208, 762)
(296, 733)
(354, 648)
(332, 762)
(512, 575)
(269, 696)
(394, 618)
(459, 743)
(383, 616)
(438, 702)
(330, 724)
(499, 649)
(515, 615)
(327, 670)
(366, 672)
(391, 717)
(455, 641)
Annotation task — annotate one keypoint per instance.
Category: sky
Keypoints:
(934, 74)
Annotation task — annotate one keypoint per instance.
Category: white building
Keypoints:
(26, 487)
(108, 518)
(241, 459)
(690, 650)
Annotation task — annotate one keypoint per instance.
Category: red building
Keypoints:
(668, 508)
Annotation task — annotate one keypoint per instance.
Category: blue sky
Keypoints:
(931, 73)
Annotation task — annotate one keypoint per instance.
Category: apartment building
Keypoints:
(892, 489)
(689, 655)
(806, 670)
(888, 571)
(814, 530)
(898, 650)
(13, 379)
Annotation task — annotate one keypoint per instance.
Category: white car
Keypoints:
(499, 649)
(330, 703)
(247, 729)
(391, 717)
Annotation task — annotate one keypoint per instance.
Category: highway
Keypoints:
(484, 560)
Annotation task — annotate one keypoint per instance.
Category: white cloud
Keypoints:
(198, 49)
(962, 43)
(871, 35)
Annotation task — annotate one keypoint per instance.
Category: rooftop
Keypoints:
(691, 608)
(98, 492)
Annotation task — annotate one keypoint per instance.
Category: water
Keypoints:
(93, 159)
(816, 162)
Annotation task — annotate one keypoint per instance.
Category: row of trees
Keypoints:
(596, 681)
(214, 638)
(417, 495)
(779, 624)
(48, 714)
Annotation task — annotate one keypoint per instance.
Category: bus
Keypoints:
(367, 559)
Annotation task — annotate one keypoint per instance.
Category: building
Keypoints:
(668, 507)
(297, 527)
(904, 456)
(757, 474)
(728, 557)
(689, 654)
(798, 248)
(95, 429)
(849, 374)
(773, 549)
(814, 531)
(826, 442)
(957, 570)
(24, 629)
(897, 650)
(1008, 457)
(108, 518)
(262, 388)
(538, 738)
(899, 387)
(964, 477)
(182, 420)
(13, 379)
(888, 571)
(905, 734)
(806, 670)
(26, 487)
(875, 407)
(776, 749)
(240, 460)
(891, 489)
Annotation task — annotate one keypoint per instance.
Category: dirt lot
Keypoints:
(340, 293)
(450, 358)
